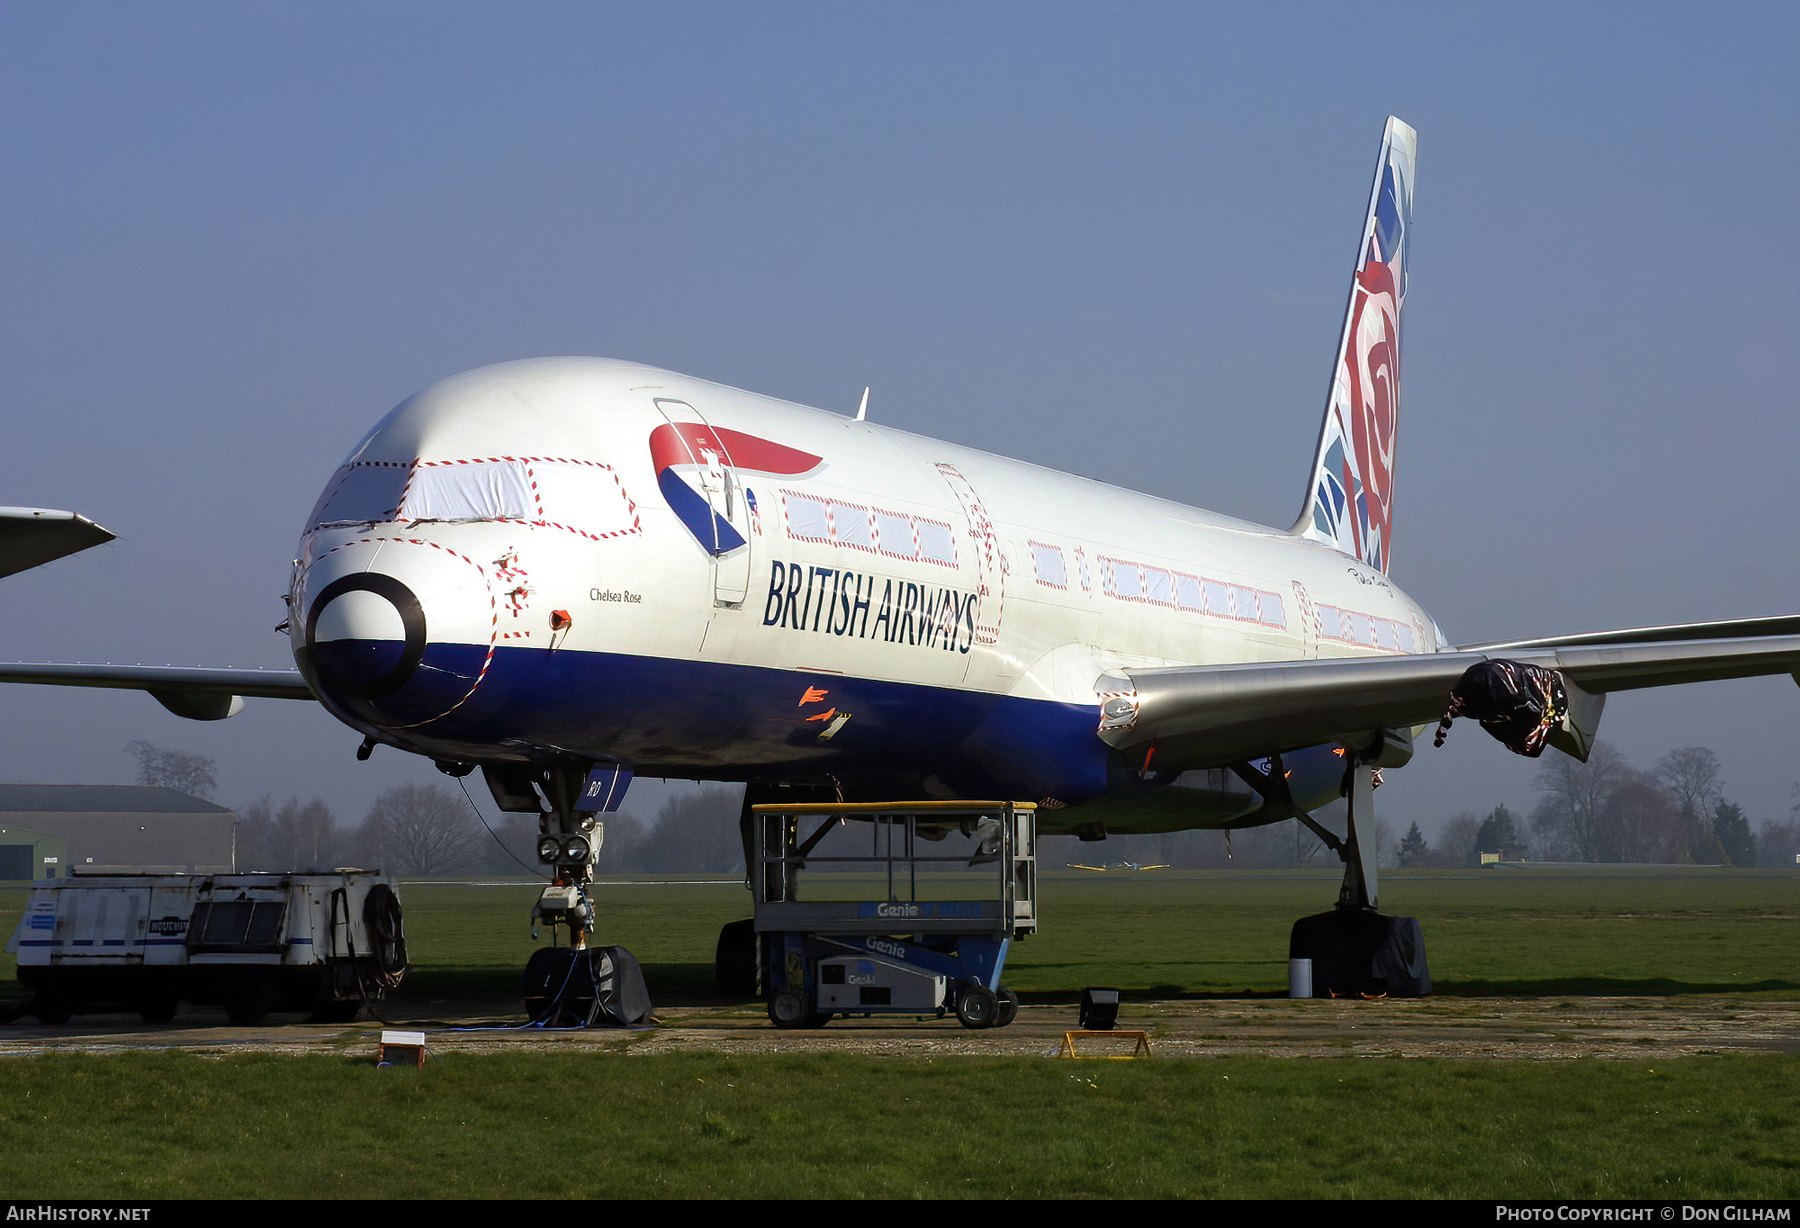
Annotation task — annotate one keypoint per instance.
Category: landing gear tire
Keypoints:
(977, 1007)
(787, 1009)
(559, 987)
(1008, 1007)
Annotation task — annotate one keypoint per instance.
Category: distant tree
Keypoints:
(512, 847)
(695, 832)
(1413, 848)
(1691, 777)
(1499, 833)
(255, 836)
(1567, 822)
(1638, 822)
(308, 834)
(1778, 842)
(299, 836)
(422, 829)
(1707, 851)
(1456, 841)
(174, 769)
(1733, 831)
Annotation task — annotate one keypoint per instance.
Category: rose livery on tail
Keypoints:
(1352, 491)
(688, 453)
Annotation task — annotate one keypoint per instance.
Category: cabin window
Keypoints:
(1127, 579)
(936, 543)
(807, 518)
(1243, 603)
(850, 526)
(1047, 563)
(1218, 598)
(1187, 592)
(1273, 612)
(894, 535)
(1156, 586)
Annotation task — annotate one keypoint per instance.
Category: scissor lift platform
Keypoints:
(918, 924)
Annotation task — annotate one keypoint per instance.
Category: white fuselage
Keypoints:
(633, 565)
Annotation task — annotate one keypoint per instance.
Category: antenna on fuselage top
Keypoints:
(862, 411)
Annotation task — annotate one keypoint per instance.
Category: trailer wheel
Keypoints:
(328, 1011)
(158, 1004)
(787, 1009)
(1008, 1007)
(977, 1007)
(247, 1001)
(54, 1005)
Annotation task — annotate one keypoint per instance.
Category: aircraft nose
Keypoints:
(396, 633)
(367, 632)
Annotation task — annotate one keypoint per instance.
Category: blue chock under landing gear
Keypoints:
(885, 927)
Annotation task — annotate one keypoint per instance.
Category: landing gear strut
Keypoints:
(577, 985)
(1354, 949)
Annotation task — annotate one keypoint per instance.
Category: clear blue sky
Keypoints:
(1111, 238)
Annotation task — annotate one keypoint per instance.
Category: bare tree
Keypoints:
(174, 769)
(422, 829)
(1691, 777)
(1638, 822)
(1456, 841)
(1568, 821)
(696, 832)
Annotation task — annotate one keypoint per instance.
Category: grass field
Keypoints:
(596, 1123)
(1662, 930)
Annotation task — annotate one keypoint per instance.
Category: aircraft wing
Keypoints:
(196, 693)
(1216, 715)
(32, 536)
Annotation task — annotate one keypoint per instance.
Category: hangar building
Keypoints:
(137, 826)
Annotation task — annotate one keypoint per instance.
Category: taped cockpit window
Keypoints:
(469, 490)
(584, 497)
(363, 492)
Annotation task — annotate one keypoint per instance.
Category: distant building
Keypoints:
(26, 855)
(121, 826)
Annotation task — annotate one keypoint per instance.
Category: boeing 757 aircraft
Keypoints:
(562, 571)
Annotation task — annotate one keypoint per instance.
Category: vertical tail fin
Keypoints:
(1350, 500)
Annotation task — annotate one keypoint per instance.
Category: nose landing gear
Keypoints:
(577, 985)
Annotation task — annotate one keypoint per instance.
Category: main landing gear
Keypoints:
(1355, 950)
(577, 985)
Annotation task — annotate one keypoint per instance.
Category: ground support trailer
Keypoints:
(909, 909)
(324, 943)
